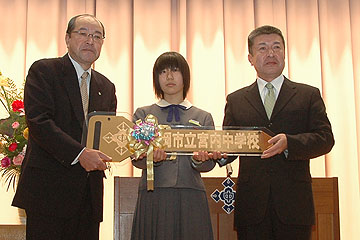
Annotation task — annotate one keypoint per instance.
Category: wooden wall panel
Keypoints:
(13, 232)
(326, 201)
(325, 229)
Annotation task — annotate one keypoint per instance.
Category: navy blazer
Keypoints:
(49, 184)
(299, 112)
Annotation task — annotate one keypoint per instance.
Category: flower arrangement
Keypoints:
(13, 132)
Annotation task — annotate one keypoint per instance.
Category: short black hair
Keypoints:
(71, 24)
(266, 29)
(171, 60)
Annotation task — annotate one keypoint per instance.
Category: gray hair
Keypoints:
(71, 24)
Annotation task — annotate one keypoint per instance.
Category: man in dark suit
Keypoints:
(61, 184)
(274, 197)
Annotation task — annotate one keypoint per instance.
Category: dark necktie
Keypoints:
(173, 110)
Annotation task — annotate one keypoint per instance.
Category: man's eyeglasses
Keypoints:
(85, 35)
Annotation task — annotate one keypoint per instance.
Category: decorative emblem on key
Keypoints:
(227, 195)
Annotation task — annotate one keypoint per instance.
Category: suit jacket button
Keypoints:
(270, 124)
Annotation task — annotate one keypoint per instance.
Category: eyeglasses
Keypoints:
(96, 37)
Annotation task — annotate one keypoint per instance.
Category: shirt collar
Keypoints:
(163, 103)
(277, 83)
(79, 70)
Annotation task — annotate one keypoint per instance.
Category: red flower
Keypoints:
(13, 147)
(5, 162)
(18, 106)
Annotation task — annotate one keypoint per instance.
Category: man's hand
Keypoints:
(92, 160)
(279, 145)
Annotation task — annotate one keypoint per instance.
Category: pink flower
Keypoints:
(15, 125)
(5, 162)
(13, 147)
(18, 159)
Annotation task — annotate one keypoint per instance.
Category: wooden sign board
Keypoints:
(110, 134)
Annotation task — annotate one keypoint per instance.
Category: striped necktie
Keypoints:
(269, 100)
(84, 93)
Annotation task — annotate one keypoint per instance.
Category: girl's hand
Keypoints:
(159, 155)
(203, 156)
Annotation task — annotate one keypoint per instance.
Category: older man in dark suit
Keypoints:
(61, 184)
(274, 197)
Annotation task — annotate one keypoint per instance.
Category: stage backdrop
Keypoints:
(322, 49)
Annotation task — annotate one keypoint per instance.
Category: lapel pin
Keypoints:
(194, 122)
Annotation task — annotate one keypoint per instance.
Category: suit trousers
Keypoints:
(271, 228)
(79, 227)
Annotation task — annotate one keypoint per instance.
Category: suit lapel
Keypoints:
(95, 92)
(254, 99)
(72, 86)
(287, 92)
